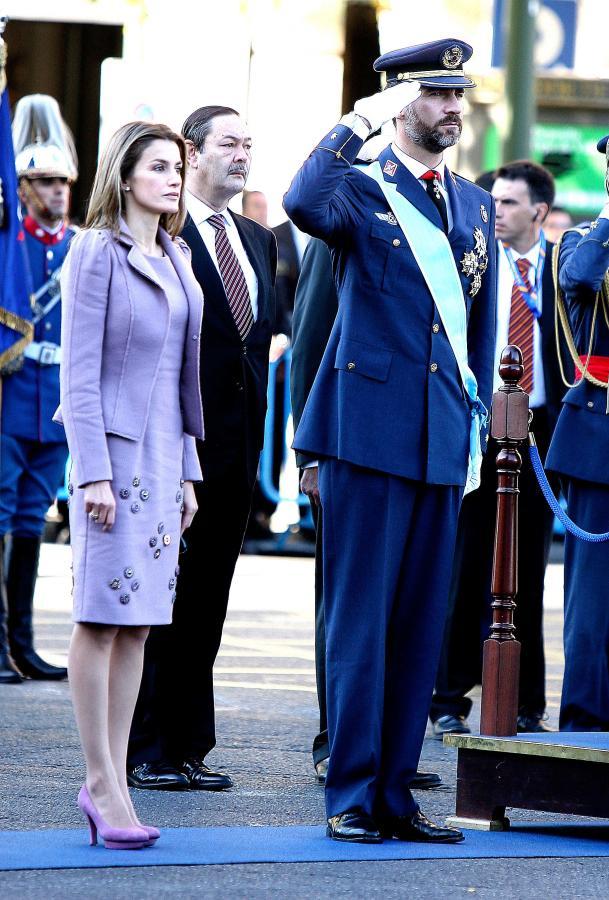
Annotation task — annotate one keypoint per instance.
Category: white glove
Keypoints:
(387, 104)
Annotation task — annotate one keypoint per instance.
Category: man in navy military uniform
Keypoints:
(579, 452)
(523, 193)
(33, 449)
(395, 418)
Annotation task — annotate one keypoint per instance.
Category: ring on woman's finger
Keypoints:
(94, 516)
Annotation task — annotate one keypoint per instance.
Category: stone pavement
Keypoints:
(266, 705)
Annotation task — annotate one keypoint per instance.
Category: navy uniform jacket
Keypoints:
(30, 396)
(580, 446)
(388, 395)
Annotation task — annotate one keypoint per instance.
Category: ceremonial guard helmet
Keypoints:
(44, 147)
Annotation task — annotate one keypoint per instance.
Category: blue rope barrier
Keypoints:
(555, 506)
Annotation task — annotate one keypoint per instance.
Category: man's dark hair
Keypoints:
(538, 180)
(486, 180)
(199, 123)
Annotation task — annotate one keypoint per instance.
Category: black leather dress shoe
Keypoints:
(423, 781)
(532, 723)
(354, 827)
(156, 777)
(321, 770)
(450, 725)
(201, 778)
(8, 672)
(33, 666)
(419, 828)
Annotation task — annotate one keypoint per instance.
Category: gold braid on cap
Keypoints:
(432, 73)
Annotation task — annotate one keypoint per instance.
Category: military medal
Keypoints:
(436, 188)
(475, 262)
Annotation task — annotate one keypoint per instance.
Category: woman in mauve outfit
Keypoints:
(131, 408)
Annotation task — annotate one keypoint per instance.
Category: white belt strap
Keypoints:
(44, 353)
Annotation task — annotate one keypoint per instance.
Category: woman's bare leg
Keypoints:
(89, 666)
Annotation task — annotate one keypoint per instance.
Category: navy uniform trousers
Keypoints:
(385, 594)
(585, 692)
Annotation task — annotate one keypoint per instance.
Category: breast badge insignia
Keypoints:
(483, 213)
(387, 217)
(390, 168)
(475, 262)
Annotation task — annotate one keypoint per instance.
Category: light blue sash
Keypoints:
(434, 256)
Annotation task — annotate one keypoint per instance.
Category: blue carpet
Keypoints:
(68, 848)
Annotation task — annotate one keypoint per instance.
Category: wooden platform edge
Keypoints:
(525, 748)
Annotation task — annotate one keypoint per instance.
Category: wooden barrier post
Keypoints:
(501, 654)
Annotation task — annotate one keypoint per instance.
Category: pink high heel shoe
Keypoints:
(153, 834)
(114, 838)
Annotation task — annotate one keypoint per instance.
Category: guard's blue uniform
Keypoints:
(388, 419)
(579, 452)
(33, 449)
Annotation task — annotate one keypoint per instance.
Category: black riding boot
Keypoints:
(20, 584)
(8, 672)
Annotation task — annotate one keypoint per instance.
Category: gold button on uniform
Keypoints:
(351, 366)
(435, 328)
(433, 367)
(396, 242)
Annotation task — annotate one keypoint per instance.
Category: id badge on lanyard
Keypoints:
(530, 294)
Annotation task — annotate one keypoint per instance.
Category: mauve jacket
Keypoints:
(109, 368)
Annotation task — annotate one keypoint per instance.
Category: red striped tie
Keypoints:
(233, 278)
(521, 325)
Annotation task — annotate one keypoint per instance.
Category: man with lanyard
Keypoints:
(394, 418)
(579, 453)
(523, 192)
(33, 450)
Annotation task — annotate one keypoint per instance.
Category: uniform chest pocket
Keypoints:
(390, 235)
(363, 359)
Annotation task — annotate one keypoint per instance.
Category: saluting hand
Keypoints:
(387, 104)
(190, 506)
(100, 503)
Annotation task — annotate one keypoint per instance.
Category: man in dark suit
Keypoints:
(395, 417)
(234, 260)
(523, 192)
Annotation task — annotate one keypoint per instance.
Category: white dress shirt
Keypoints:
(418, 169)
(505, 282)
(200, 213)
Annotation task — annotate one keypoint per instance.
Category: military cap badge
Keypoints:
(453, 57)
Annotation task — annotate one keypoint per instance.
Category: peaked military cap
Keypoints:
(602, 144)
(434, 64)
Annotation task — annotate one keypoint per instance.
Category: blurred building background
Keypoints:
(292, 66)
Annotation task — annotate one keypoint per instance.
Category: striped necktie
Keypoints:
(233, 278)
(433, 180)
(521, 325)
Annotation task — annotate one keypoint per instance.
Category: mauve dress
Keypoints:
(127, 576)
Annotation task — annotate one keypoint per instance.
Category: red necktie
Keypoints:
(233, 278)
(521, 325)
(433, 180)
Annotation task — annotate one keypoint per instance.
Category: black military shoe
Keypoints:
(8, 672)
(354, 827)
(321, 770)
(419, 828)
(156, 776)
(201, 778)
(450, 725)
(535, 724)
(33, 666)
(423, 781)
